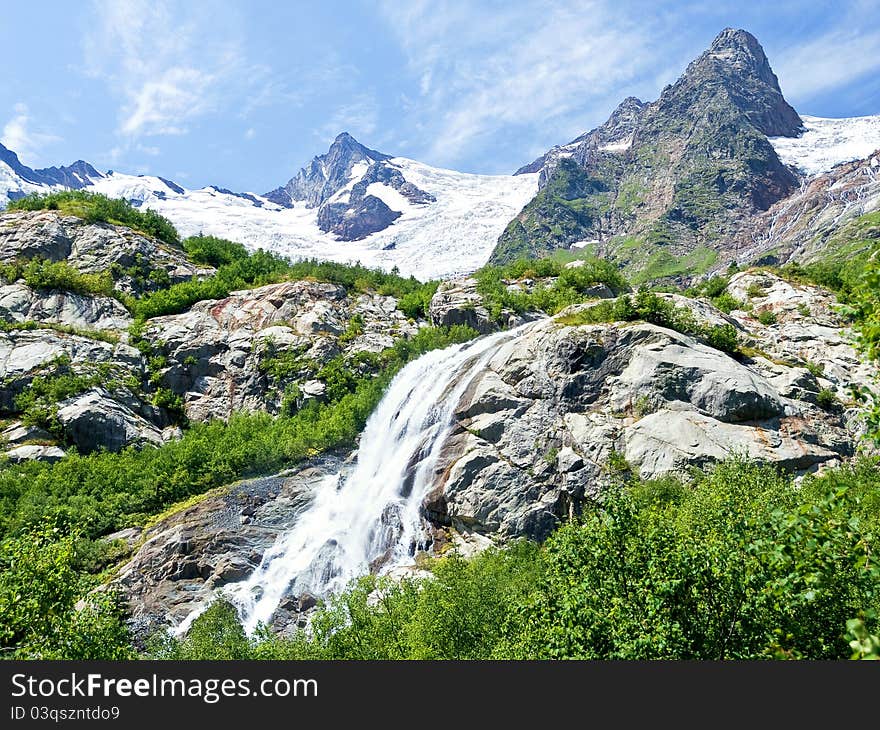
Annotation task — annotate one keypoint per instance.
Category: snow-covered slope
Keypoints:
(828, 142)
(453, 235)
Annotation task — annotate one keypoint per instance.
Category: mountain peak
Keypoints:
(736, 65)
(326, 173)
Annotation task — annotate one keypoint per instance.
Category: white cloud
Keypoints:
(483, 69)
(250, 133)
(359, 117)
(20, 137)
(842, 55)
(169, 63)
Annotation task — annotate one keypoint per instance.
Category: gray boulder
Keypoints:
(20, 303)
(94, 420)
(458, 303)
(49, 454)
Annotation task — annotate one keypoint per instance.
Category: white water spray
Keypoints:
(372, 513)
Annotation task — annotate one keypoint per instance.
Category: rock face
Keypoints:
(96, 419)
(326, 174)
(183, 559)
(219, 354)
(559, 404)
(21, 303)
(826, 219)
(93, 248)
(458, 303)
(35, 452)
(672, 176)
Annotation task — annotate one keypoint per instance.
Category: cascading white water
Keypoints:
(374, 510)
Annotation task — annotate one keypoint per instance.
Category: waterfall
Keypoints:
(370, 512)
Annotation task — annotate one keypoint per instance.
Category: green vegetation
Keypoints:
(827, 399)
(97, 208)
(767, 317)
(29, 325)
(565, 210)
(662, 265)
(650, 307)
(57, 381)
(41, 582)
(43, 274)
(741, 564)
(569, 285)
(714, 289)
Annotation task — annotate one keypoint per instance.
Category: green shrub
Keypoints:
(650, 307)
(827, 399)
(767, 317)
(568, 286)
(40, 585)
(44, 274)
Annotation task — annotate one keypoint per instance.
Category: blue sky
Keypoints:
(241, 94)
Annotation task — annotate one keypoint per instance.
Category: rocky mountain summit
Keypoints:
(668, 177)
(338, 184)
(73, 176)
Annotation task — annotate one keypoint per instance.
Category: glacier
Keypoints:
(828, 142)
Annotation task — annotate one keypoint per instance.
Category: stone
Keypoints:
(49, 454)
(94, 420)
(457, 302)
(20, 303)
(18, 433)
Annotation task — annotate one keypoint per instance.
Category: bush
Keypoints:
(569, 286)
(767, 317)
(44, 274)
(651, 307)
(40, 585)
(239, 269)
(827, 399)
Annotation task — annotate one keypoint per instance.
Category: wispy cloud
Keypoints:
(539, 67)
(359, 116)
(167, 62)
(20, 136)
(842, 55)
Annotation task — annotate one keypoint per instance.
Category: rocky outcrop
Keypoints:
(219, 354)
(559, 408)
(326, 174)
(93, 248)
(25, 354)
(35, 452)
(182, 560)
(820, 221)
(21, 303)
(458, 302)
(356, 218)
(98, 419)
